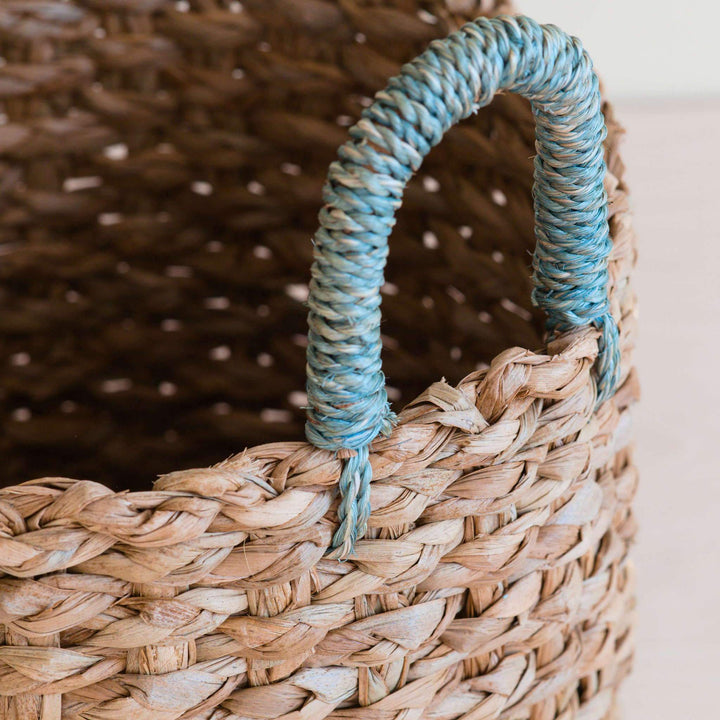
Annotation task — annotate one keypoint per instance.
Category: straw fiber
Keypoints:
(161, 171)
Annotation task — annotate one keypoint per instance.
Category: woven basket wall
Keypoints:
(161, 166)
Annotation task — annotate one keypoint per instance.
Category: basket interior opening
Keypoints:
(155, 259)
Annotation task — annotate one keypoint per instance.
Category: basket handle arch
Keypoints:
(453, 78)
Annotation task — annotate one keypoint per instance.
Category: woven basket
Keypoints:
(161, 170)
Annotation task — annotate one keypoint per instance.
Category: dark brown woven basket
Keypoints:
(161, 166)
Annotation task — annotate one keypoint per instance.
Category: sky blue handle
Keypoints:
(454, 77)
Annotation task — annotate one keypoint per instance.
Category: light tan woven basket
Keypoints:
(161, 167)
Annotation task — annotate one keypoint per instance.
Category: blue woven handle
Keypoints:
(454, 77)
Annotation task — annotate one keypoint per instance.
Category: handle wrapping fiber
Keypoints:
(451, 80)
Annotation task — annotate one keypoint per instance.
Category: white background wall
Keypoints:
(672, 149)
(644, 48)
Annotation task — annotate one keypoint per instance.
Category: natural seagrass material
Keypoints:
(161, 168)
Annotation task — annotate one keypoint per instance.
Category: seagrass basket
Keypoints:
(162, 165)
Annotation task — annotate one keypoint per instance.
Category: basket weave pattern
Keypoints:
(162, 165)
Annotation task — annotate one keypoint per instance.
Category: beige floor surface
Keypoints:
(673, 157)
